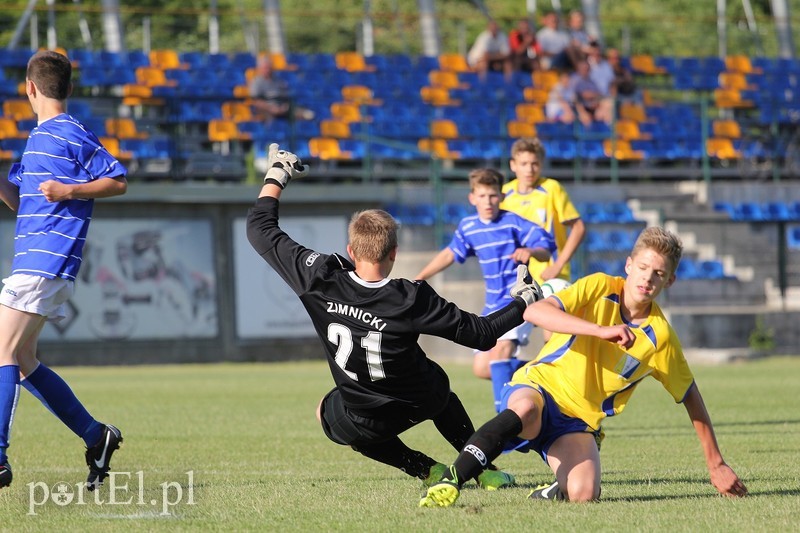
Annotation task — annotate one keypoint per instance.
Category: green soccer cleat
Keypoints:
(495, 479)
(441, 494)
(547, 492)
(436, 473)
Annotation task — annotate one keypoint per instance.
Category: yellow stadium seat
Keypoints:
(360, 94)
(279, 62)
(628, 130)
(444, 129)
(544, 79)
(453, 62)
(734, 80)
(530, 113)
(730, 98)
(720, 148)
(347, 112)
(166, 59)
(9, 129)
(352, 62)
(518, 129)
(237, 111)
(18, 109)
(327, 149)
(437, 147)
(728, 129)
(337, 129)
(153, 77)
(124, 128)
(438, 96)
(645, 64)
(221, 130)
(621, 150)
(446, 79)
(632, 111)
(111, 144)
(535, 95)
(741, 64)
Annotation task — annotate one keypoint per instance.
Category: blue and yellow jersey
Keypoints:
(549, 206)
(590, 378)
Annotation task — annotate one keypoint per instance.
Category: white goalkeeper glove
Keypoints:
(526, 287)
(283, 166)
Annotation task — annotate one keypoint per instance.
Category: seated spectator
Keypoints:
(599, 69)
(623, 86)
(270, 96)
(560, 106)
(589, 101)
(579, 40)
(524, 49)
(553, 44)
(491, 51)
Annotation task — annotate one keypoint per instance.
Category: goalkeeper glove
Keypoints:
(283, 166)
(526, 287)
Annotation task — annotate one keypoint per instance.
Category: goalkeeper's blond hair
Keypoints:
(372, 234)
(661, 241)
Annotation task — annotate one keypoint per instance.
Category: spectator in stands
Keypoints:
(491, 51)
(590, 104)
(524, 49)
(553, 44)
(52, 190)
(270, 96)
(600, 70)
(579, 40)
(560, 106)
(624, 85)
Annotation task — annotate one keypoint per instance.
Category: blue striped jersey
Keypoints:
(50, 236)
(493, 243)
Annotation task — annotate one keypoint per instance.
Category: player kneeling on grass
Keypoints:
(588, 371)
(369, 326)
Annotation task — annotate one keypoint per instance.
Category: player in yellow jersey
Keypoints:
(610, 335)
(545, 202)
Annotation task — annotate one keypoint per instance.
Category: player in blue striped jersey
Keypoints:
(500, 240)
(63, 169)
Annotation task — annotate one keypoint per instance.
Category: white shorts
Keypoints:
(38, 295)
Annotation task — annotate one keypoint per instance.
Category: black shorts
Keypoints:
(343, 426)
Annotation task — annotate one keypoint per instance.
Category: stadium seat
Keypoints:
(687, 269)
(632, 111)
(359, 94)
(237, 111)
(347, 112)
(123, 128)
(444, 129)
(628, 130)
(453, 62)
(518, 129)
(728, 129)
(446, 79)
(645, 64)
(722, 148)
(777, 211)
(619, 212)
(749, 211)
(595, 241)
(730, 99)
(221, 130)
(18, 109)
(711, 269)
(111, 144)
(437, 96)
(544, 79)
(734, 80)
(10, 130)
(334, 128)
(166, 59)
(438, 148)
(793, 238)
(741, 64)
(326, 148)
(352, 62)
(535, 95)
(530, 113)
(279, 62)
(621, 150)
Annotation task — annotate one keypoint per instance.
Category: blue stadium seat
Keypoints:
(619, 212)
(595, 241)
(453, 213)
(750, 211)
(711, 270)
(687, 269)
(776, 211)
(793, 238)
(725, 207)
(620, 240)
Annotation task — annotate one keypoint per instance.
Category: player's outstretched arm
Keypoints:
(722, 476)
(9, 193)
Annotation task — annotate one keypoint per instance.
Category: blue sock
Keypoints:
(56, 395)
(502, 371)
(9, 394)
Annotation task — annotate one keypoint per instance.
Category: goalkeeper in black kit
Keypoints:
(369, 325)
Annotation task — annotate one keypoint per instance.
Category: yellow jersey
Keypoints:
(549, 206)
(590, 378)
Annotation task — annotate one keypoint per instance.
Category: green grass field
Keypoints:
(236, 447)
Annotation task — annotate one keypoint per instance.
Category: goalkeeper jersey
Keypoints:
(549, 206)
(369, 330)
(590, 378)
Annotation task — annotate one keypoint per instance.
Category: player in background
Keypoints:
(63, 169)
(369, 325)
(500, 240)
(545, 202)
(609, 335)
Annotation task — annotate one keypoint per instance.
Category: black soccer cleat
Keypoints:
(98, 457)
(547, 492)
(5, 475)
